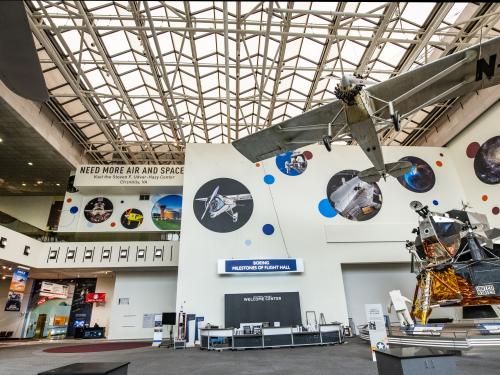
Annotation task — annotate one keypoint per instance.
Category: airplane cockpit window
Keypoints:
(216, 204)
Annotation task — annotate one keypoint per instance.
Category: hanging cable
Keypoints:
(276, 214)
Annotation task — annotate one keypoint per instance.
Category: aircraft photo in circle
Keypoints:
(223, 205)
(353, 198)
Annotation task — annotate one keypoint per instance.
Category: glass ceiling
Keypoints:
(135, 81)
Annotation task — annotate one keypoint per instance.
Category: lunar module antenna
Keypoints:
(419, 208)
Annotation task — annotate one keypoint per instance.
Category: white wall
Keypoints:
(305, 231)
(13, 320)
(148, 292)
(101, 312)
(484, 128)
(33, 210)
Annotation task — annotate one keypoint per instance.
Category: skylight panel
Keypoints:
(116, 42)
(418, 12)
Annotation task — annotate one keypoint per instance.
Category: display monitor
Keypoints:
(168, 319)
(262, 307)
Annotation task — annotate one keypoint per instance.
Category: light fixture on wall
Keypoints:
(123, 253)
(158, 253)
(27, 250)
(106, 253)
(3, 240)
(71, 254)
(88, 253)
(53, 254)
(141, 253)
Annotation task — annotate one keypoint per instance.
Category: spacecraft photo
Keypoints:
(456, 256)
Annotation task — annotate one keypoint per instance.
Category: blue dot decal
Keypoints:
(248, 242)
(268, 229)
(435, 202)
(73, 210)
(326, 209)
(269, 179)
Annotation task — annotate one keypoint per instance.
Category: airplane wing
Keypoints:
(307, 128)
(455, 75)
(239, 197)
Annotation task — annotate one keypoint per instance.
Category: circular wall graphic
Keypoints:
(420, 178)
(487, 161)
(352, 198)
(223, 205)
(98, 210)
(292, 163)
(167, 212)
(132, 218)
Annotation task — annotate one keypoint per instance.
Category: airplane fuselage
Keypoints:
(362, 127)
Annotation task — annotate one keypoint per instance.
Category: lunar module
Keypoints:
(456, 257)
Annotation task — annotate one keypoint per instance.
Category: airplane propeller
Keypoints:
(216, 190)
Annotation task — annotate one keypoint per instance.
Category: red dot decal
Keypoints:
(439, 163)
(484, 198)
(472, 150)
(495, 210)
(257, 164)
(69, 200)
(113, 224)
(308, 155)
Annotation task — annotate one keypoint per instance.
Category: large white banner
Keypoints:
(53, 290)
(129, 175)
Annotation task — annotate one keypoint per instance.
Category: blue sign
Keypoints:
(260, 265)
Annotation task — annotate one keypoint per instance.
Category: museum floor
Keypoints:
(352, 358)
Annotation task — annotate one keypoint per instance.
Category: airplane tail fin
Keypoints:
(396, 169)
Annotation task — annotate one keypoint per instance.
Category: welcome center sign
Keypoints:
(242, 266)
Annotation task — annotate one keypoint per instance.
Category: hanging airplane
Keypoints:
(361, 113)
(217, 204)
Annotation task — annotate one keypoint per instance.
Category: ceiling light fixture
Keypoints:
(23, 184)
(39, 182)
(30, 164)
(58, 184)
(1, 140)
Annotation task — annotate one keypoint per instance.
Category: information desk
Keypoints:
(270, 337)
(415, 361)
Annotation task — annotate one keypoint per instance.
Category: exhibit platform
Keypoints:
(458, 336)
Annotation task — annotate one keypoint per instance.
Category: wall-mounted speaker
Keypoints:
(3, 240)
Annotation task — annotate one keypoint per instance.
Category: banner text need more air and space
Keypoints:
(129, 175)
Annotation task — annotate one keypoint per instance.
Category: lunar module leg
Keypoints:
(426, 297)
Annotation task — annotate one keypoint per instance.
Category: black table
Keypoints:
(90, 368)
(415, 361)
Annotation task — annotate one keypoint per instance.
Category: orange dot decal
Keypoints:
(484, 198)
(113, 224)
(257, 164)
(439, 163)
(69, 200)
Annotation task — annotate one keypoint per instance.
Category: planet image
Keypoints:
(487, 161)
(352, 198)
(292, 163)
(98, 210)
(132, 218)
(167, 212)
(420, 178)
(223, 205)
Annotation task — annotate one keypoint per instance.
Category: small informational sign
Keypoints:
(54, 290)
(148, 320)
(128, 175)
(158, 330)
(376, 327)
(16, 290)
(262, 266)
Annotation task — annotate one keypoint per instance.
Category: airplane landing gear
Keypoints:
(327, 141)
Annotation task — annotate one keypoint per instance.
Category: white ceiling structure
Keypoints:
(134, 81)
